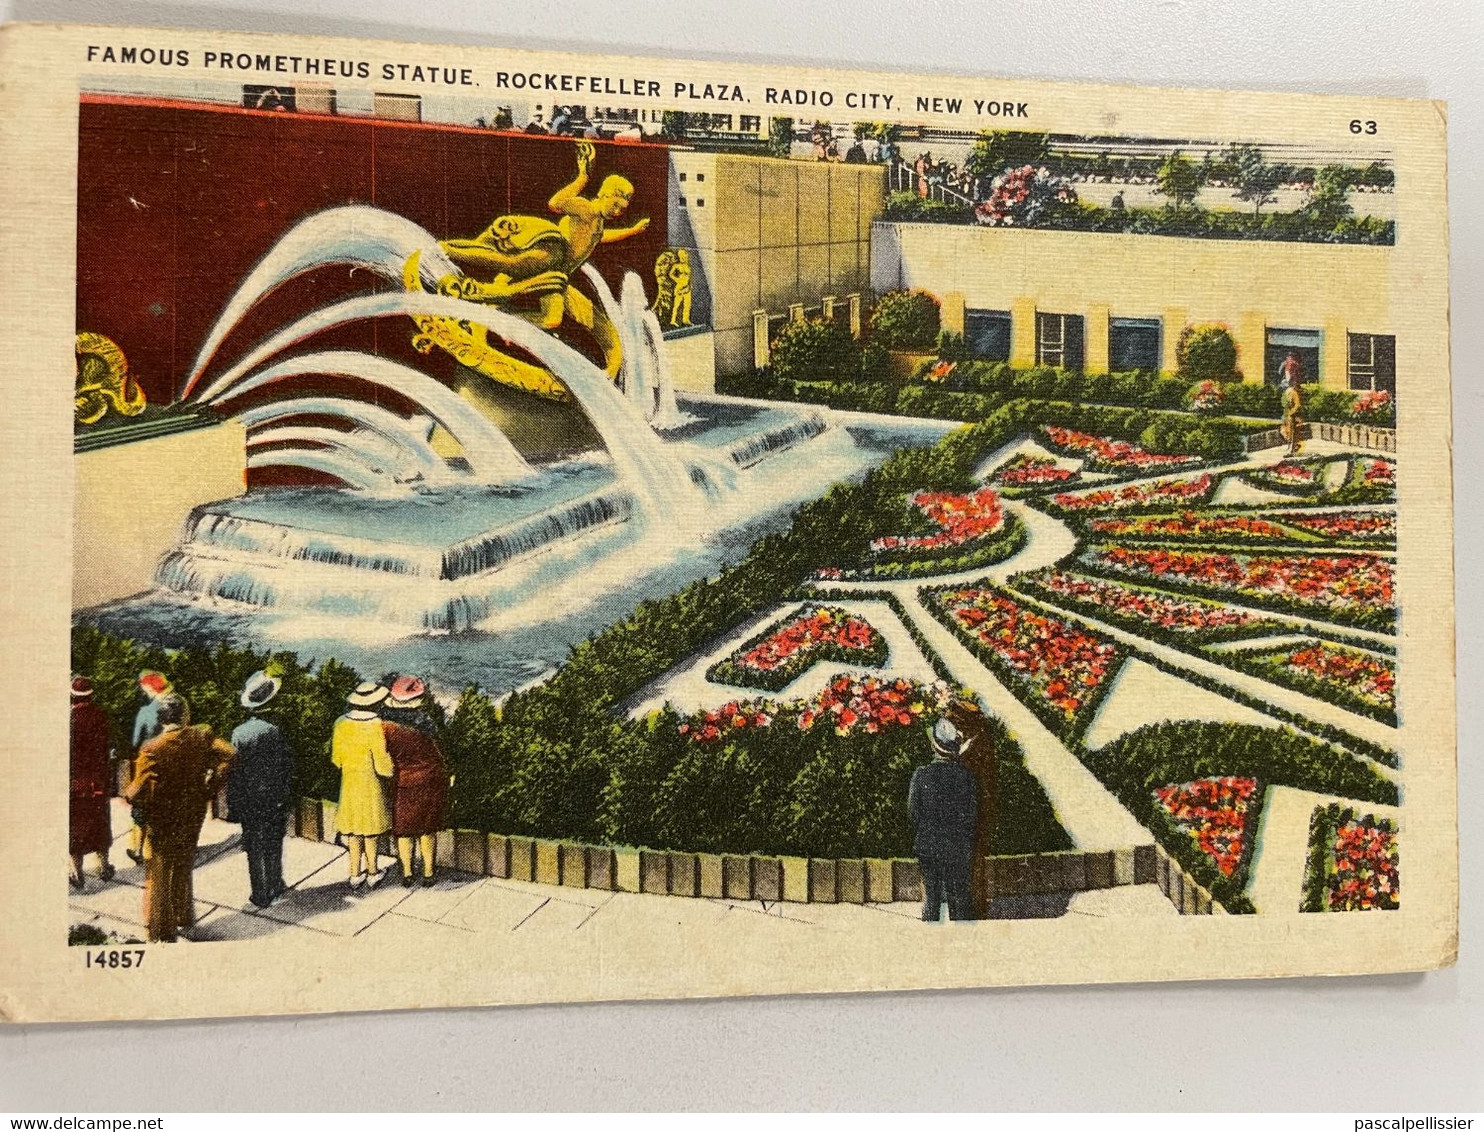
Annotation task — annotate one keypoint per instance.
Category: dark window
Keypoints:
(1134, 343)
(1302, 344)
(700, 202)
(682, 176)
(700, 176)
(987, 334)
(682, 202)
(1373, 362)
(1059, 340)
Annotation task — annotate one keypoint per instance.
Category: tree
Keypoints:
(1253, 178)
(815, 350)
(1207, 353)
(997, 150)
(780, 137)
(1179, 179)
(906, 320)
(1329, 204)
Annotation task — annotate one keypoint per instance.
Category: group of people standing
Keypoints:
(393, 781)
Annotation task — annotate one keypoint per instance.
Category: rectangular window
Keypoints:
(264, 97)
(682, 176)
(1373, 362)
(1302, 346)
(399, 107)
(1134, 344)
(700, 202)
(1059, 340)
(751, 124)
(987, 334)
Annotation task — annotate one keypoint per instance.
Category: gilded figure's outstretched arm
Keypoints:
(613, 235)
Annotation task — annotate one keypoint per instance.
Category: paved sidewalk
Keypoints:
(320, 902)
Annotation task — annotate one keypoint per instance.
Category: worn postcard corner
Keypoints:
(534, 526)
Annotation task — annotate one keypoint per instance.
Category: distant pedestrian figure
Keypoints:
(1292, 429)
(979, 755)
(943, 800)
(420, 794)
(152, 685)
(358, 748)
(258, 791)
(177, 774)
(89, 829)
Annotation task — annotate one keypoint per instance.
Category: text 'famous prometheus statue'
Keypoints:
(524, 265)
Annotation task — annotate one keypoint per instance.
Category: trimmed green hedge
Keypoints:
(1165, 753)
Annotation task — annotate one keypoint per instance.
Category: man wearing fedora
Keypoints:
(943, 799)
(258, 791)
(177, 774)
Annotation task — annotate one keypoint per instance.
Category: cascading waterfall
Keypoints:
(467, 543)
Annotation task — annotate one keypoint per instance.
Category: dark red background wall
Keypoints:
(178, 201)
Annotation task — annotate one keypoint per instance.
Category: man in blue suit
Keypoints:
(944, 801)
(259, 788)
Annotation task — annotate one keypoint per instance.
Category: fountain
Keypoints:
(442, 524)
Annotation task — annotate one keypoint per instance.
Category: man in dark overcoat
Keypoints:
(259, 788)
(944, 799)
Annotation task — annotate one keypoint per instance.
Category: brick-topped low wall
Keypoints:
(802, 880)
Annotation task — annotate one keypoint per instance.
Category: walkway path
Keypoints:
(1276, 883)
(320, 903)
(1092, 817)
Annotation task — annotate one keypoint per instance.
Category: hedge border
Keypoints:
(1324, 825)
(781, 677)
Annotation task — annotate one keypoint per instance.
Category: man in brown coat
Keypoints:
(978, 754)
(176, 775)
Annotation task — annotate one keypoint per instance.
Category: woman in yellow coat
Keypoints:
(358, 748)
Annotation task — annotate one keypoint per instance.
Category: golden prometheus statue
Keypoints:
(524, 265)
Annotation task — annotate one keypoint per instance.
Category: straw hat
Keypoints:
(259, 689)
(946, 739)
(366, 695)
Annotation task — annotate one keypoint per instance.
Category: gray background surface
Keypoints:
(1398, 1044)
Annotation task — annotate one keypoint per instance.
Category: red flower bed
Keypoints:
(1380, 472)
(1165, 611)
(959, 518)
(850, 703)
(1358, 673)
(1191, 525)
(1214, 812)
(1106, 453)
(1055, 662)
(1331, 582)
(1378, 525)
(810, 631)
(1352, 862)
(1032, 471)
(1296, 475)
(1137, 495)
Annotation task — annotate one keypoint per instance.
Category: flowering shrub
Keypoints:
(1215, 813)
(1143, 608)
(1295, 477)
(959, 519)
(1321, 666)
(1032, 471)
(1105, 454)
(1353, 862)
(1374, 406)
(784, 652)
(1205, 397)
(1134, 495)
(1353, 587)
(1053, 665)
(849, 703)
(1364, 526)
(939, 371)
(1025, 196)
(1191, 525)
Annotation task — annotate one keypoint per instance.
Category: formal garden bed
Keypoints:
(1055, 668)
(1155, 495)
(1353, 862)
(1220, 817)
(1239, 527)
(1370, 479)
(1301, 476)
(1362, 527)
(1106, 454)
(1027, 472)
(783, 652)
(1350, 678)
(1351, 589)
(1137, 766)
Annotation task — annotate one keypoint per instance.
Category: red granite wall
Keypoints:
(177, 201)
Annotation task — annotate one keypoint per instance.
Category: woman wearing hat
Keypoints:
(88, 827)
(420, 794)
(358, 748)
(258, 791)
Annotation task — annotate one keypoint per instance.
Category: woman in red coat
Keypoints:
(88, 825)
(419, 776)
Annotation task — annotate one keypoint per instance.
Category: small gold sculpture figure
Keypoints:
(680, 281)
(102, 381)
(664, 286)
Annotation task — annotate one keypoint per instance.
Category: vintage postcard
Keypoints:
(520, 527)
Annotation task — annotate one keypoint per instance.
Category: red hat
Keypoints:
(82, 688)
(407, 692)
(155, 683)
